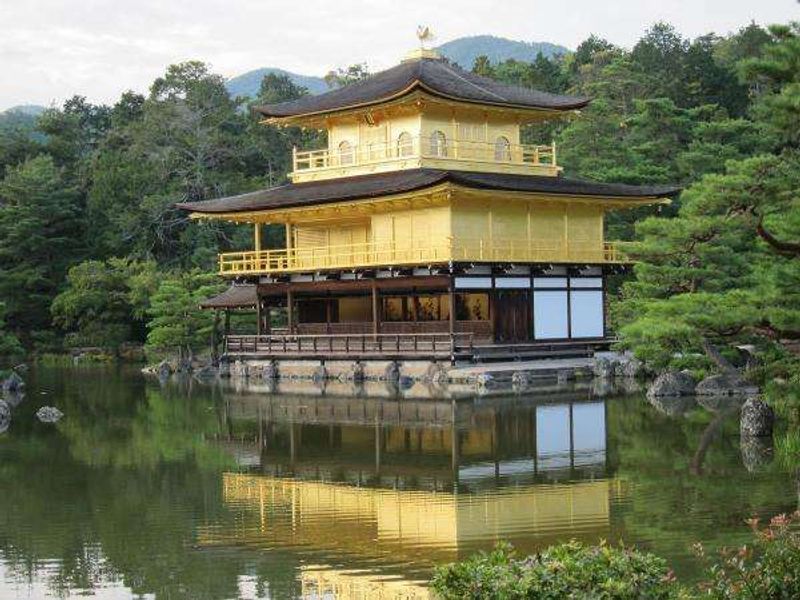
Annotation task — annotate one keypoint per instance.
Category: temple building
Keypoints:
(426, 225)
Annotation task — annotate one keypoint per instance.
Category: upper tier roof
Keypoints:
(432, 75)
(398, 182)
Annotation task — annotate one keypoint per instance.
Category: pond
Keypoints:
(190, 490)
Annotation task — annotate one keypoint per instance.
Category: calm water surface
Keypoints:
(203, 491)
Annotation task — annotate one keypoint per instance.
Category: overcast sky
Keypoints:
(51, 49)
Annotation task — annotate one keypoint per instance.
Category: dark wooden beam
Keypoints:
(375, 314)
(290, 309)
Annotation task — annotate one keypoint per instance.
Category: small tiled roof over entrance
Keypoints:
(236, 296)
(435, 76)
(398, 182)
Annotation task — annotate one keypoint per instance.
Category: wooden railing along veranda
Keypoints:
(395, 253)
(376, 345)
(410, 147)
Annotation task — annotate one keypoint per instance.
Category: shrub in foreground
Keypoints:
(570, 570)
(767, 569)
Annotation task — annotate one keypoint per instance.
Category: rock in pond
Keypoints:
(49, 414)
(631, 368)
(673, 384)
(5, 416)
(757, 419)
(164, 370)
(756, 453)
(13, 384)
(206, 372)
(14, 399)
(603, 368)
(727, 384)
(673, 406)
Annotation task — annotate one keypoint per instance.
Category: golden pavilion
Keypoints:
(425, 227)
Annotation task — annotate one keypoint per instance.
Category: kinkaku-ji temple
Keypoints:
(425, 228)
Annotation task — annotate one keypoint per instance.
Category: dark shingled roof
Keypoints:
(236, 296)
(437, 77)
(397, 182)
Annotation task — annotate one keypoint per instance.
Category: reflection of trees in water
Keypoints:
(688, 474)
(119, 490)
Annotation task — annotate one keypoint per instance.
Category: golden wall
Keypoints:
(465, 221)
(461, 124)
(414, 228)
(536, 220)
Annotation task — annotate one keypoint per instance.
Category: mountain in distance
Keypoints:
(20, 117)
(248, 84)
(33, 110)
(461, 51)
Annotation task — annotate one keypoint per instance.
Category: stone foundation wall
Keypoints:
(341, 370)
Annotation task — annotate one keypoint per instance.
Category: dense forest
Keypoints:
(93, 252)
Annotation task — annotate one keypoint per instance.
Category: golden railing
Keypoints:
(398, 253)
(425, 147)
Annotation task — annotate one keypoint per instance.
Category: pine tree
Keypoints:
(177, 323)
(41, 235)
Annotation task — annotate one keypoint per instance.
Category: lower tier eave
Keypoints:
(435, 274)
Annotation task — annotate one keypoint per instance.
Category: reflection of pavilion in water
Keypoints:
(429, 444)
(376, 483)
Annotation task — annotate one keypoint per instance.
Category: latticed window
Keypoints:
(502, 149)
(405, 145)
(346, 154)
(438, 144)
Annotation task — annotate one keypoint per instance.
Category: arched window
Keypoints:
(346, 154)
(438, 144)
(405, 145)
(502, 149)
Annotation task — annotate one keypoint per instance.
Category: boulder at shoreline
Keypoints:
(757, 419)
(673, 384)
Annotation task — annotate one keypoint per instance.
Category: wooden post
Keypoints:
(375, 309)
(257, 237)
(328, 310)
(215, 338)
(290, 310)
(290, 258)
(451, 298)
(259, 317)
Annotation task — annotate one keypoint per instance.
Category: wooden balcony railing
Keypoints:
(424, 147)
(369, 344)
(394, 253)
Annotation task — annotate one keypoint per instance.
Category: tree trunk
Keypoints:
(716, 357)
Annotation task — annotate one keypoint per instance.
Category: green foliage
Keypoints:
(341, 77)
(569, 570)
(776, 74)
(768, 569)
(177, 323)
(10, 348)
(104, 303)
(40, 235)
(726, 270)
